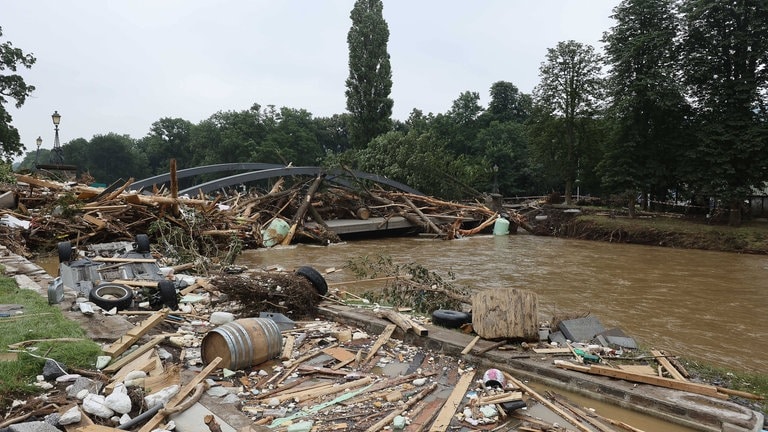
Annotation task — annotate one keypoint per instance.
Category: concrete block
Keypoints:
(37, 426)
(581, 329)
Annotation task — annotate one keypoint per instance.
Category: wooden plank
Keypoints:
(93, 220)
(638, 369)
(383, 338)
(471, 345)
(145, 363)
(551, 350)
(287, 353)
(155, 421)
(665, 363)
(138, 352)
(340, 354)
(133, 335)
(451, 404)
(702, 389)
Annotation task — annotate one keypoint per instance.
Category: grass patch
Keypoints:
(755, 383)
(39, 321)
(750, 237)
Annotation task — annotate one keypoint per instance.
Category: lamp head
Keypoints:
(39, 142)
(56, 118)
(495, 168)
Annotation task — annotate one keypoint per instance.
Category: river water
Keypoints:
(708, 306)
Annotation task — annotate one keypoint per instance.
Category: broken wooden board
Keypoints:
(506, 313)
(159, 418)
(666, 364)
(132, 336)
(117, 365)
(451, 404)
(340, 354)
(383, 338)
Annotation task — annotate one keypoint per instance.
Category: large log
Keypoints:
(506, 313)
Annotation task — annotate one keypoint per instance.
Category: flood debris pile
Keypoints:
(254, 293)
(54, 211)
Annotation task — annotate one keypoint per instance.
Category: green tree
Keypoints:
(107, 157)
(232, 136)
(725, 61)
(565, 100)
(647, 107)
(292, 139)
(370, 75)
(12, 86)
(168, 138)
(508, 103)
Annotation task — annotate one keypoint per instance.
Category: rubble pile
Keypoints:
(54, 211)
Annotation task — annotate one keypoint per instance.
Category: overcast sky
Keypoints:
(119, 66)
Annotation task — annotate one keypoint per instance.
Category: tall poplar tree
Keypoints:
(646, 100)
(725, 64)
(370, 75)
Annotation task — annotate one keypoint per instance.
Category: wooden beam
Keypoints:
(702, 389)
(666, 364)
(133, 335)
(471, 345)
(115, 366)
(383, 338)
(451, 404)
(155, 421)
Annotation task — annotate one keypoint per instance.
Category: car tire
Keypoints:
(167, 290)
(111, 295)
(142, 243)
(450, 318)
(315, 278)
(65, 251)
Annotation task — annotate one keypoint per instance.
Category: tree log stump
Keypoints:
(506, 313)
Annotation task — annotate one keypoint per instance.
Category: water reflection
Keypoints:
(704, 305)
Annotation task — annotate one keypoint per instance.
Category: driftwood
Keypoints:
(116, 213)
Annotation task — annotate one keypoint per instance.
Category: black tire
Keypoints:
(65, 251)
(167, 290)
(450, 318)
(142, 243)
(315, 278)
(123, 296)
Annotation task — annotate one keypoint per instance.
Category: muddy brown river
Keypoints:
(709, 306)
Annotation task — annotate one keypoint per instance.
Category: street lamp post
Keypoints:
(57, 154)
(39, 142)
(495, 178)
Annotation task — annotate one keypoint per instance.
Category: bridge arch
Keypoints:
(262, 171)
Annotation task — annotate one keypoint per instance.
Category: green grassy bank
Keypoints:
(39, 321)
(660, 230)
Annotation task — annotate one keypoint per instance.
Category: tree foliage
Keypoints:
(370, 75)
(564, 101)
(647, 107)
(725, 56)
(12, 86)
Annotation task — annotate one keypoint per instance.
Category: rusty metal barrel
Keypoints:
(242, 343)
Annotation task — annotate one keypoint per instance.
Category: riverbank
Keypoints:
(660, 229)
(693, 411)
